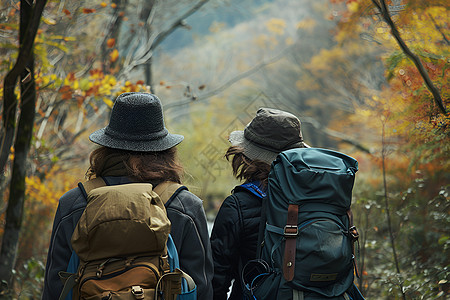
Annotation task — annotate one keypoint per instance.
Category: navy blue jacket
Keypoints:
(189, 233)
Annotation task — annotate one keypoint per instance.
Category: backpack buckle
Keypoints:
(354, 233)
(290, 231)
(137, 292)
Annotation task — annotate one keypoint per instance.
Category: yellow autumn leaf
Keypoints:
(108, 102)
(307, 24)
(114, 55)
(353, 6)
(289, 41)
(112, 81)
(276, 26)
(216, 27)
(48, 21)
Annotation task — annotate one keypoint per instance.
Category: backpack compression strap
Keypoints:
(354, 236)
(290, 234)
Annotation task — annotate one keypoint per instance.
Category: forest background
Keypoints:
(375, 90)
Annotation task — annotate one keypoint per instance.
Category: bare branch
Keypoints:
(382, 7)
(227, 84)
(179, 22)
(142, 56)
(339, 135)
(438, 28)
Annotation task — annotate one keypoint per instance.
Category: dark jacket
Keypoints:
(234, 240)
(189, 233)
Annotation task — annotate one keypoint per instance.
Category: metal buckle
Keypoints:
(354, 232)
(137, 292)
(290, 231)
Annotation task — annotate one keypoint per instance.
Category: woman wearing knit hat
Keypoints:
(136, 147)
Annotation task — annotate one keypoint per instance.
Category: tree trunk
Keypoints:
(14, 212)
(28, 29)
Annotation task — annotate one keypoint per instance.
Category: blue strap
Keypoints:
(74, 262)
(253, 188)
(275, 229)
(174, 262)
(72, 267)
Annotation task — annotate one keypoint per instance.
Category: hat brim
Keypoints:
(251, 150)
(170, 140)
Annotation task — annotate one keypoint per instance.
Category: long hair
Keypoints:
(245, 169)
(152, 167)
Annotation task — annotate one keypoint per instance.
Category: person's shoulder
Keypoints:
(188, 197)
(185, 202)
(241, 193)
(71, 201)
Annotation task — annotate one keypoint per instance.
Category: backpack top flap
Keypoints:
(312, 178)
(121, 220)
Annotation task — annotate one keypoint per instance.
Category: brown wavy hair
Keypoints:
(152, 167)
(245, 169)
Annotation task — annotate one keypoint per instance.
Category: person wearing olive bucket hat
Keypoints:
(235, 233)
(136, 147)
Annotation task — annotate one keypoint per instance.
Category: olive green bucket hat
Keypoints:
(269, 133)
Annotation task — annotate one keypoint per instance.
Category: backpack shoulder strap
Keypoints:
(261, 228)
(166, 189)
(89, 185)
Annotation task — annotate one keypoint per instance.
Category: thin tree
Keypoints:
(23, 70)
(384, 153)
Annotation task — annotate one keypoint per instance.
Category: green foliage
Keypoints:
(30, 279)
(421, 226)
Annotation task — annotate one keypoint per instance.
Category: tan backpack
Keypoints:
(120, 240)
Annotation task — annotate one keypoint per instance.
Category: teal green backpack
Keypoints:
(307, 237)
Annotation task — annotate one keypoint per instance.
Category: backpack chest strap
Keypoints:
(290, 234)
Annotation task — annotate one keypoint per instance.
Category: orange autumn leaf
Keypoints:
(64, 89)
(103, 4)
(113, 5)
(111, 43)
(66, 96)
(66, 11)
(80, 100)
(141, 82)
(88, 10)
(114, 55)
(71, 76)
